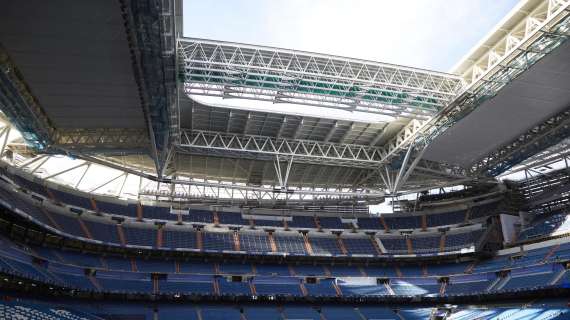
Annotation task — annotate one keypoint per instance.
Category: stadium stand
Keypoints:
(424, 195)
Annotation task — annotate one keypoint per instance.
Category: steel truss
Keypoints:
(545, 135)
(267, 147)
(558, 152)
(548, 30)
(151, 30)
(181, 188)
(102, 140)
(232, 70)
(21, 107)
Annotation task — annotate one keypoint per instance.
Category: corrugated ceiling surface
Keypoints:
(535, 96)
(75, 57)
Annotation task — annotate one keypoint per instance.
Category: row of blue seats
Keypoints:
(231, 218)
(173, 237)
(545, 225)
(114, 263)
(133, 282)
(201, 280)
(45, 310)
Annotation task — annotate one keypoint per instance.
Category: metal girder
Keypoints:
(508, 37)
(228, 195)
(542, 136)
(21, 107)
(558, 152)
(152, 31)
(236, 192)
(302, 150)
(102, 140)
(533, 44)
(233, 70)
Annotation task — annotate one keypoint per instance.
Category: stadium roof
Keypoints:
(106, 86)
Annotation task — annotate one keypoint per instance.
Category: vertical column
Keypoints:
(376, 246)
(442, 288)
(442, 242)
(308, 246)
(139, 211)
(199, 243)
(133, 265)
(94, 204)
(424, 222)
(159, 232)
(341, 244)
(237, 245)
(384, 224)
(409, 244)
(252, 288)
(272, 242)
(216, 218)
(122, 237)
(84, 228)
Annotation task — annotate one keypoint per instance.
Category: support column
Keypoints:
(121, 234)
(376, 246)
(409, 244)
(252, 288)
(216, 218)
(341, 245)
(84, 229)
(237, 244)
(308, 246)
(199, 243)
(216, 286)
(159, 233)
(272, 242)
(94, 204)
(133, 265)
(139, 211)
(442, 242)
(384, 224)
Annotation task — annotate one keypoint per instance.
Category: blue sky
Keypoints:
(432, 34)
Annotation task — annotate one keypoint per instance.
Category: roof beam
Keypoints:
(536, 44)
(234, 70)
(206, 142)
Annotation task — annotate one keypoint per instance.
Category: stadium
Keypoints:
(145, 175)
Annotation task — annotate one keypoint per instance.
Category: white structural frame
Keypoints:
(537, 29)
(241, 71)
(302, 150)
